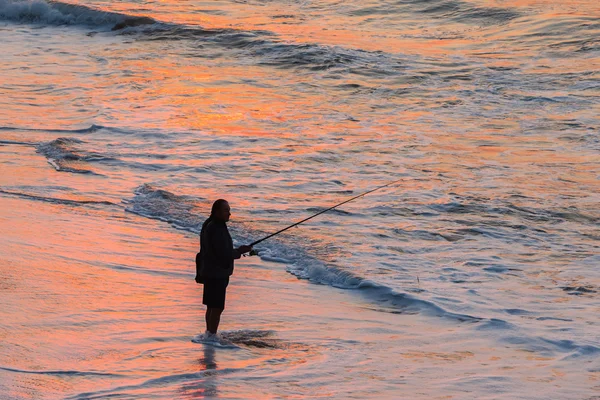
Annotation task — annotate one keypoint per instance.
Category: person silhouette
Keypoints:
(214, 266)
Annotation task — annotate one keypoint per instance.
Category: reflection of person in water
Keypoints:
(206, 386)
(209, 358)
(215, 265)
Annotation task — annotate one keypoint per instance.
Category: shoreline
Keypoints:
(119, 319)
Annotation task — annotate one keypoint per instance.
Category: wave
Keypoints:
(526, 213)
(55, 199)
(183, 212)
(259, 44)
(567, 34)
(56, 13)
(63, 155)
(90, 129)
(467, 13)
(452, 10)
(118, 392)
(147, 133)
(17, 143)
(550, 347)
(59, 372)
(513, 335)
(270, 51)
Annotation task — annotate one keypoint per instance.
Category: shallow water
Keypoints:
(475, 277)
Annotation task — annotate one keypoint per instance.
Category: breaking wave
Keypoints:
(183, 212)
(56, 13)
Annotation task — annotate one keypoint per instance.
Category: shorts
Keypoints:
(214, 292)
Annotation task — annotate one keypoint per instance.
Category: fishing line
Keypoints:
(324, 211)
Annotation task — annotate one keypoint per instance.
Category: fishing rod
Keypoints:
(321, 212)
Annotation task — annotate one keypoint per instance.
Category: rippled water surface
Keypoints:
(476, 276)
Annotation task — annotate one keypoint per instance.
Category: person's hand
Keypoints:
(244, 249)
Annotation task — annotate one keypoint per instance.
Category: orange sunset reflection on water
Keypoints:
(474, 275)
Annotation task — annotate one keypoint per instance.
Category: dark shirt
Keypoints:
(216, 251)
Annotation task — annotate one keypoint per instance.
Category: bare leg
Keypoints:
(213, 318)
(207, 317)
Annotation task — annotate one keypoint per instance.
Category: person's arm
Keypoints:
(237, 254)
(241, 250)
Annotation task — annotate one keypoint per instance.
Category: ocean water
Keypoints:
(476, 276)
